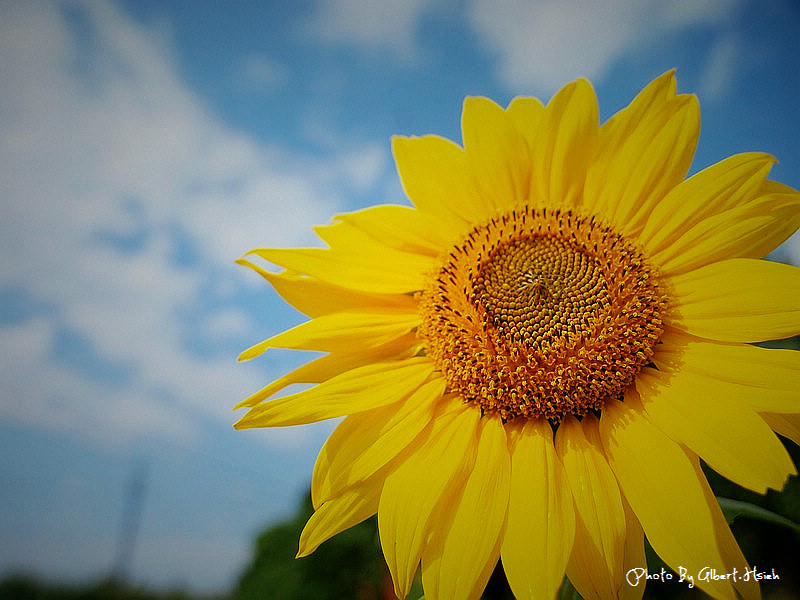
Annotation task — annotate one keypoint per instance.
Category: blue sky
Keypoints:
(145, 145)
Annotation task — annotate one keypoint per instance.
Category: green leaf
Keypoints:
(568, 592)
(733, 509)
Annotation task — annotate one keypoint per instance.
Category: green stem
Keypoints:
(733, 509)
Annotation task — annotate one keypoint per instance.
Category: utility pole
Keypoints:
(131, 519)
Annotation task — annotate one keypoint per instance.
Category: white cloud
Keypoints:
(40, 392)
(728, 58)
(260, 74)
(82, 137)
(364, 167)
(542, 44)
(228, 323)
(792, 249)
(371, 23)
(684, 13)
(723, 63)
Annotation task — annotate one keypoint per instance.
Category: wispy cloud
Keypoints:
(260, 74)
(724, 61)
(41, 392)
(377, 24)
(126, 200)
(539, 45)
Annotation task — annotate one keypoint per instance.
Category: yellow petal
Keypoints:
(541, 519)
(731, 438)
(350, 233)
(738, 300)
(773, 187)
(527, 115)
(649, 101)
(412, 492)
(595, 567)
(586, 569)
(364, 444)
(354, 391)
(634, 557)
(661, 486)
(560, 152)
(643, 152)
(340, 331)
(364, 265)
(345, 236)
(333, 364)
(727, 184)
(729, 548)
(663, 161)
(465, 547)
(786, 425)
(404, 228)
(752, 230)
(352, 507)
(497, 154)
(436, 178)
(314, 297)
(763, 379)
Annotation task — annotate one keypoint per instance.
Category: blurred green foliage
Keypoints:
(350, 565)
(28, 588)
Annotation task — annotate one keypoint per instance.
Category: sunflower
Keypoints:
(534, 358)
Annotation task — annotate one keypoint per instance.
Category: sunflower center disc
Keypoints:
(542, 313)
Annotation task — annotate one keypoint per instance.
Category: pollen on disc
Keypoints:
(542, 313)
